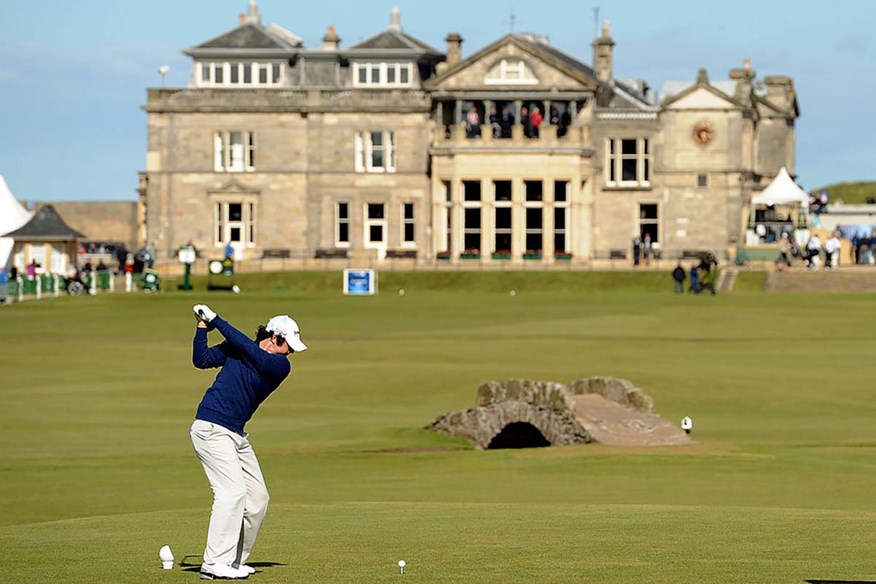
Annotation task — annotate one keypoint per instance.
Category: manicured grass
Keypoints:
(97, 472)
(851, 193)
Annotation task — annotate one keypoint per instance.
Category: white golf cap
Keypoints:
(288, 328)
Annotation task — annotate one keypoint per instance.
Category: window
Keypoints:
(702, 181)
(375, 225)
(342, 224)
(234, 151)
(628, 162)
(235, 223)
(649, 221)
(502, 222)
(375, 151)
(471, 216)
(561, 216)
(382, 74)
(225, 74)
(534, 216)
(511, 72)
(408, 231)
(445, 219)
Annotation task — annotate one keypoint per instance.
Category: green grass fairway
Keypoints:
(97, 471)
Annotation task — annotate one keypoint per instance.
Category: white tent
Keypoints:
(12, 216)
(782, 191)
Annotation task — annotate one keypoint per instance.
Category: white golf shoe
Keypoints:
(222, 572)
(247, 569)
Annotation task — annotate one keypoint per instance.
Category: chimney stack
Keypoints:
(253, 16)
(395, 19)
(603, 54)
(331, 40)
(454, 48)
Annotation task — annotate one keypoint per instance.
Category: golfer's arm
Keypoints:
(203, 356)
(267, 364)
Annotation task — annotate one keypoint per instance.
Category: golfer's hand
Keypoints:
(204, 313)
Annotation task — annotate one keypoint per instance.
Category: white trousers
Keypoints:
(240, 497)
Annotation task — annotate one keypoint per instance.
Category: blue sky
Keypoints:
(73, 75)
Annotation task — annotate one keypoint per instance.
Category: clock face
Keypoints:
(216, 267)
(703, 133)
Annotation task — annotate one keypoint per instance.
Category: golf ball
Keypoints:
(513, 293)
(235, 289)
(401, 563)
(401, 292)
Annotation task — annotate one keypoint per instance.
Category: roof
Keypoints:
(781, 191)
(397, 40)
(46, 225)
(250, 36)
(673, 88)
(12, 213)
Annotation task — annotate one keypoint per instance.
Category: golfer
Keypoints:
(250, 371)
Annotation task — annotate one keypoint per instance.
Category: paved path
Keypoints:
(615, 425)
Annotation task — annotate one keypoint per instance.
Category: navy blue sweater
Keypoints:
(248, 376)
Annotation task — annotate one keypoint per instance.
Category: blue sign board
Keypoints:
(360, 282)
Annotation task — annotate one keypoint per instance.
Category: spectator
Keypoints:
(150, 251)
(813, 248)
(679, 276)
(32, 269)
(647, 249)
(536, 119)
(831, 251)
(494, 122)
(525, 121)
(473, 123)
(637, 250)
(4, 285)
(229, 251)
(694, 279)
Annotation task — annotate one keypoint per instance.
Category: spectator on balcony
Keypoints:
(494, 122)
(506, 122)
(536, 118)
(473, 123)
(525, 121)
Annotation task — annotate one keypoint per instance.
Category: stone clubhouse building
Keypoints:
(391, 150)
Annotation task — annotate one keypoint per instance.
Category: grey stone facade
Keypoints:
(364, 153)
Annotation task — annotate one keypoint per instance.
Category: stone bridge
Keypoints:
(521, 413)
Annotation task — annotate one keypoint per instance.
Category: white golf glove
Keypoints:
(203, 312)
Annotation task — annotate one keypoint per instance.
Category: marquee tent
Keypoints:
(13, 215)
(782, 191)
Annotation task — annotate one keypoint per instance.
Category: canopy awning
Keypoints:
(782, 191)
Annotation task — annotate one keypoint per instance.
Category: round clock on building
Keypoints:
(703, 133)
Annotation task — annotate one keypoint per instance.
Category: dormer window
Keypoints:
(382, 74)
(230, 74)
(511, 72)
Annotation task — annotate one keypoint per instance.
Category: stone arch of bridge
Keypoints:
(518, 435)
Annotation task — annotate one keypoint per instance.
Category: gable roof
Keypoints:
(674, 91)
(46, 225)
(539, 49)
(249, 37)
(396, 40)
